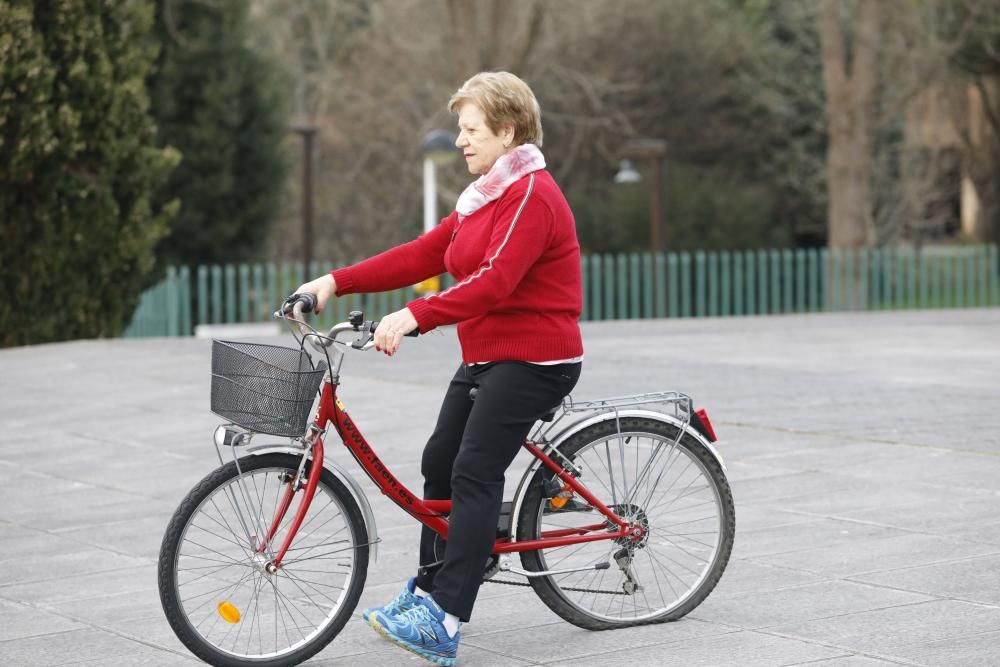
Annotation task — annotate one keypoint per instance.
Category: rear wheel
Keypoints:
(672, 487)
(215, 588)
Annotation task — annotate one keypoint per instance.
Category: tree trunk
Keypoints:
(982, 153)
(850, 79)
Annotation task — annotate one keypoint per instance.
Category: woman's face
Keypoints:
(479, 144)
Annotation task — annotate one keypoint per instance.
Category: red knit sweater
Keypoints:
(516, 261)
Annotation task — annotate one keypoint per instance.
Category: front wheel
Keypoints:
(655, 478)
(216, 589)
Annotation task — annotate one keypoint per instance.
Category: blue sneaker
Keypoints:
(419, 630)
(401, 603)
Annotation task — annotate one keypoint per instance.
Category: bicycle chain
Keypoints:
(571, 588)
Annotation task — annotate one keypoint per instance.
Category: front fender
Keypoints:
(340, 473)
(574, 428)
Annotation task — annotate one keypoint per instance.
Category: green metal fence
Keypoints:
(627, 286)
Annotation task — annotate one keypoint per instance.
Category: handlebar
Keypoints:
(296, 305)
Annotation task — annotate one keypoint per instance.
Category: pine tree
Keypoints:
(78, 166)
(218, 103)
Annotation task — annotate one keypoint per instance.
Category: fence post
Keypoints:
(257, 271)
(869, 269)
(725, 284)
(173, 302)
(585, 283)
(203, 294)
(887, 288)
(836, 283)
(713, 284)
(738, 283)
(788, 280)
(932, 269)
(606, 287)
(899, 293)
(648, 285)
(674, 285)
(621, 277)
(762, 300)
(815, 280)
(982, 277)
(597, 311)
(994, 270)
(967, 283)
(635, 296)
(801, 280)
(775, 269)
(851, 278)
(216, 294)
(230, 293)
(911, 279)
(685, 284)
(609, 287)
(819, 259)
(184, 281)
(957, 279)
(751, 282)
(923, 279)
(271, 292)
(243, 271)
(660, 273)
(700, 284)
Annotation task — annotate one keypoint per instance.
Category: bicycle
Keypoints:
(624, 516)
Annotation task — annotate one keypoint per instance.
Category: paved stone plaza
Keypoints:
(863, 449)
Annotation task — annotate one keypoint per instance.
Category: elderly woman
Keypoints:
(511, 246)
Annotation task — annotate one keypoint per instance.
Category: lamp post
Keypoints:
(308, 133)
(438, 148)
(654, 151)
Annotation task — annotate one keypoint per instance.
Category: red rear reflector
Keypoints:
(703, 416)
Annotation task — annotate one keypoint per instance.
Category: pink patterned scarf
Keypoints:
(510, 167)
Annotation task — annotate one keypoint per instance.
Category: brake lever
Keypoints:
(365, 336)
(367, 332)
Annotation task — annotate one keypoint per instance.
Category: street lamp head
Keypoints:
(438, 146)
(627, 173)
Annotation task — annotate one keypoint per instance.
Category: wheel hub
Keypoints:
(263, 565)
(637, 526)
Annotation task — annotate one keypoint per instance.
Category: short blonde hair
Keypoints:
(505, 100)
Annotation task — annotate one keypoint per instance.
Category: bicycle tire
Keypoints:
(185, 516)
(533, 511)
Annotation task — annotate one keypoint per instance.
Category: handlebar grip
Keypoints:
(307, 299)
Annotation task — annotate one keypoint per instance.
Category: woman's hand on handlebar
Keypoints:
(390, 331)
(323, 287)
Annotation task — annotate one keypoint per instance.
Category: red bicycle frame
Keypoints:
(431, 513)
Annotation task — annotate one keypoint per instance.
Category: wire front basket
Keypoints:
(264, 388)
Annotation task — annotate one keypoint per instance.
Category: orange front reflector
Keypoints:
(228, 612)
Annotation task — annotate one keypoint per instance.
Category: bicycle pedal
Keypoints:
(551, 487)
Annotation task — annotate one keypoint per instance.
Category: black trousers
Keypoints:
(465, 459)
